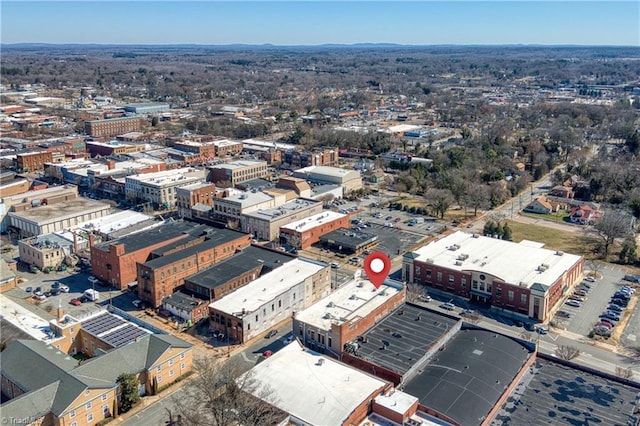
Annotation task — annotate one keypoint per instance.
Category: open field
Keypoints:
(559, 216)
(569, 242)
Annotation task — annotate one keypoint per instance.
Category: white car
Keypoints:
(590, 279)
(137, 303)
(64, 288)
(448, 306)
(93, 280)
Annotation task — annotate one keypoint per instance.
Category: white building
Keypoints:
(231, 208)
(315, 390)
(270, 299)
(349, 180)
(160, 187)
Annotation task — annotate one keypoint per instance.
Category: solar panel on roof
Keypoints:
(124, 335)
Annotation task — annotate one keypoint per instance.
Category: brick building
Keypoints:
(317, 157)
(238, 270)
(198, 193)
(167, 270)
(115, 261)
(238, 171)
(523, 278)
(112, 126)
(348, 312)
(302, 234)
(30, 161)
(227, 148)
(270, 299)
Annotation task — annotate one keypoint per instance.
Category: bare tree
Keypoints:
(221, 395)
(567, 352)
(416, 293)
(624, 372)
(476, 197)
(613, 224)
(440, 200)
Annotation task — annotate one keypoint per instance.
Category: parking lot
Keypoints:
(584, 317)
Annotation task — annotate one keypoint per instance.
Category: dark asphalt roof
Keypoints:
(183, 301)
(214, 238)
(140, 240)
(348, 238)
(466, 378)
(552, 393)
(411, 343)
(243, 261)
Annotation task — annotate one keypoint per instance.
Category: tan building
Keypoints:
(227, 148)
(8, 277)
(238, 171)
(55, 389)
(300, 186)
(265, 224)
(49, 251)
(160, 188)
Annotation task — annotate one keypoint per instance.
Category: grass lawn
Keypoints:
(570, 242)
(559, 217)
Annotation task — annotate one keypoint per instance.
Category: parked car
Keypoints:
(622, 295)
(580, 293)
(632, 278)
(573, 303)
(585, 284)
(64, 288)
(93, 280)
(609, 316)
(137, 303)
(448, 306)
(266, 354)
(40, 296)
(619, 302)
(75, 302)
(607, 323)
(426, 299)
(578, 298)
(602, 331)
(615, 308)
(288, 340)
(563, 314)
(28, 289)
(590, 278)
(37, 291)
(271, 334)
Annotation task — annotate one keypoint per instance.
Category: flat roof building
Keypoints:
(265, 224)
(348, 241)
(238, 171)
(270, 299)
(160, 188)
(244, 266)
(230, 209)
(56, 217)
(303, 233)
(524, 277)
(349, 180)
(315, 390)
(343, 315)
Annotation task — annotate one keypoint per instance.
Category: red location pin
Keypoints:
(377, 266)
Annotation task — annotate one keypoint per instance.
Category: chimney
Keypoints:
(75, 242)
(91, 239)
(60, 311)
(111, 164)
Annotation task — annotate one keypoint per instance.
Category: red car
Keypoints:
(75, 302)
(266, 354)
(397, 219)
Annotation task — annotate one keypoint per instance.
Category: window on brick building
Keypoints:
(510, 295)
(439, 275)
(523, 298)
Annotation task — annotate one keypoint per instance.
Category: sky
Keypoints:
(304, 22)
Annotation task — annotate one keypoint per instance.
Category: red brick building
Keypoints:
(115, 261)
(523, 278)
(30, 161)
(166, 271)
(303, 233)
(112, 126)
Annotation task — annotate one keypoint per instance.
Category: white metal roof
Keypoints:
(312, 387)
(267, 287)
(356, 299)
(514, 263)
